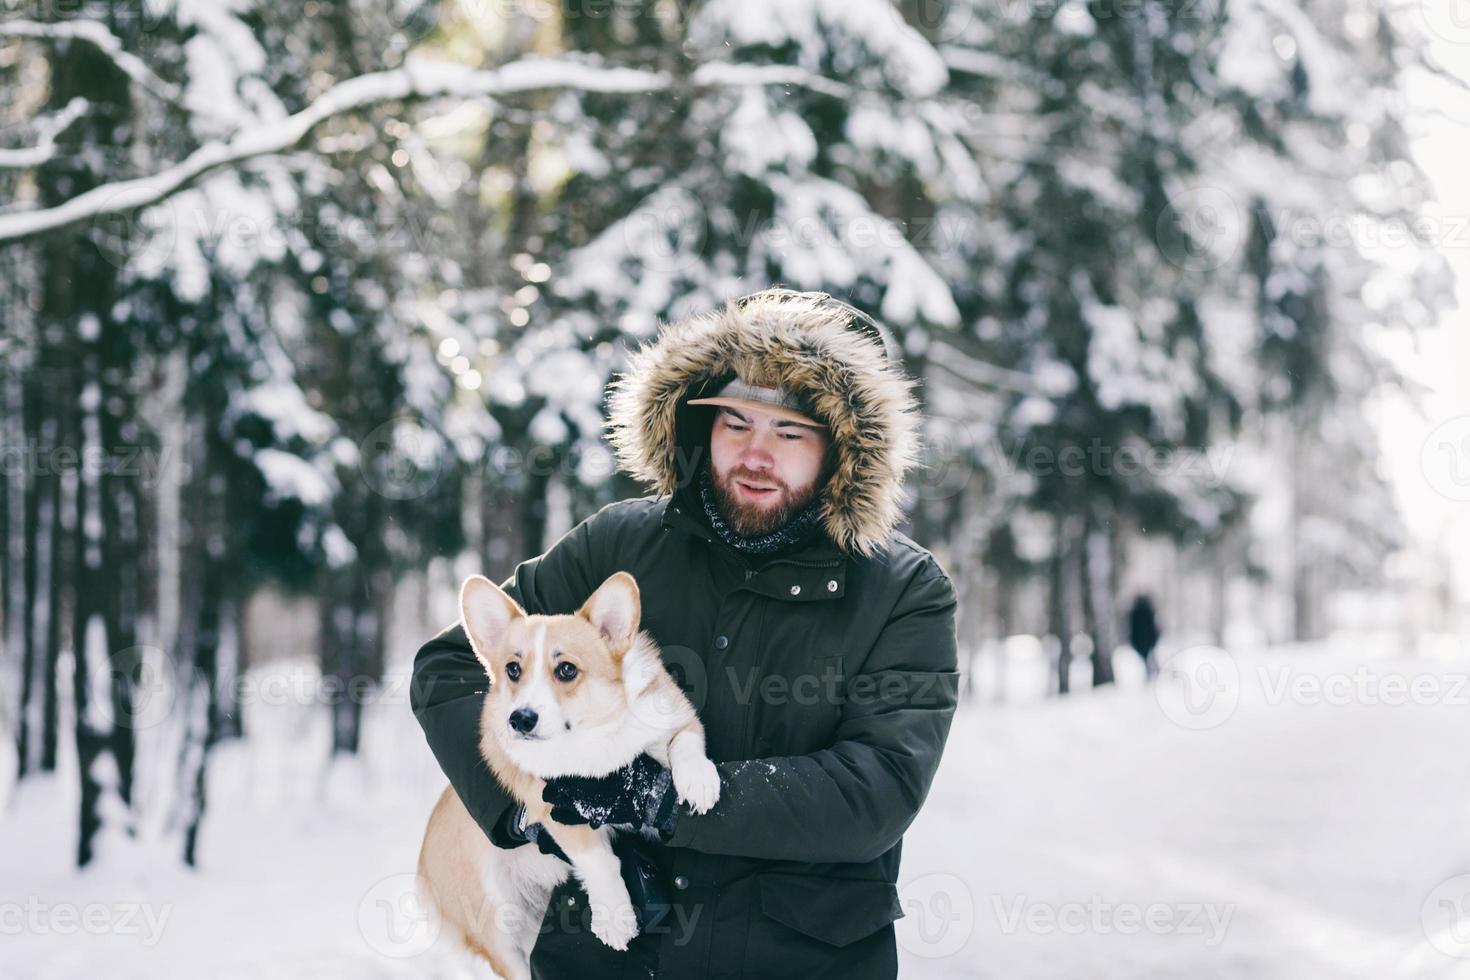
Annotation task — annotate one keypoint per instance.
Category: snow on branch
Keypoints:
(97, 35)
(415, 81)
(721, 74)
(983, 374)
(47, 130)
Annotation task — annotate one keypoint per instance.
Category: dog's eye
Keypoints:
(513, 671)
(566, 670)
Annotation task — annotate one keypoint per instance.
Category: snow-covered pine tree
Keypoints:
(1090, 107)
(628, 211)
(1328, 205)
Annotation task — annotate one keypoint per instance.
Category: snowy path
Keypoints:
(1089, 839)
(1300, 837)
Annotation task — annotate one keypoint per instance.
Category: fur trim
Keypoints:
(778, 339)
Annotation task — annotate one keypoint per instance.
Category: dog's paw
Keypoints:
(617, 926)
(698, 784)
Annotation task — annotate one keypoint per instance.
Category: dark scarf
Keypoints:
(788, 535)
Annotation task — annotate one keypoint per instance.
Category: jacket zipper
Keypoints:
(807, 564)
(750, 572)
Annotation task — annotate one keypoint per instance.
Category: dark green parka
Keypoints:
(825, 677)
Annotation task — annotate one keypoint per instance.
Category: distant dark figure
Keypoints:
(1143, 632)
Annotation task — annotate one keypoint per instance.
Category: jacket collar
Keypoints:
(817, 570)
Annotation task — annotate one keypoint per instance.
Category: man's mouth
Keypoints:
(755, 491)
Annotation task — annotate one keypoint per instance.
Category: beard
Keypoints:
(749, 519)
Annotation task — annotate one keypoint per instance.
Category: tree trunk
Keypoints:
(99, 510)
(1099, 604)
(1059, 623)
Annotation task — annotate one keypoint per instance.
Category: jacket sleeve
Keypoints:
(448, 687)
(853, 801)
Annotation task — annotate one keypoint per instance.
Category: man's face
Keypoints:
(765, 468)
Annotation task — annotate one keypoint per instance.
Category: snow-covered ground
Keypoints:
(1302, 813)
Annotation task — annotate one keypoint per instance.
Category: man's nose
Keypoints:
(758, 454)
(523, 720)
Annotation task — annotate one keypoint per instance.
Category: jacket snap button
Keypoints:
(721, 642)
(832, 585)
(681, 882)
(796, 590)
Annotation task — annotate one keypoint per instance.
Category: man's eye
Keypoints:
(790, 435)
(513, 671)
(566, 670)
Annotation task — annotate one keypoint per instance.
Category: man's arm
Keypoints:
(448, 687)
(853, 801)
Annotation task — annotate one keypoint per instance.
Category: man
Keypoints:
(817, 643)
(1143, 633)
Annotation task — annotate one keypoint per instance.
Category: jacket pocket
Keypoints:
(836, 911)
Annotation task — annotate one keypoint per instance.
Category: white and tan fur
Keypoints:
(620, 703)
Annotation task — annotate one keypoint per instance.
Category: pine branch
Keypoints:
(48, 129)
(415, 81)
(97, 35)
(982, 374)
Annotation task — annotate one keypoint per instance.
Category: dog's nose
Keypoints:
(523, 720)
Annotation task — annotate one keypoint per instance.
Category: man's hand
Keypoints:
(514, 830)
(639, 796)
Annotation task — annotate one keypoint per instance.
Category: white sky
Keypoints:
(1426, 450)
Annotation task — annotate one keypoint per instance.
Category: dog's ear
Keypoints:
(614, 609)
(641, 663)
(486, 612)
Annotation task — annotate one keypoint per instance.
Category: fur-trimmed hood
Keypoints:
(770, 339)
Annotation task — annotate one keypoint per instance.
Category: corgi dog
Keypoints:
(570, 695)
